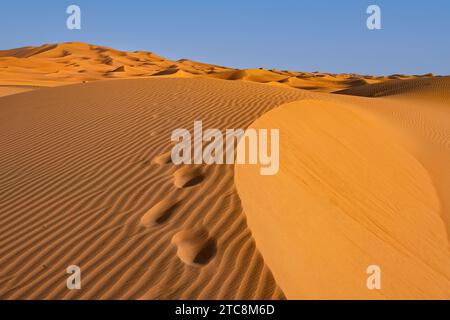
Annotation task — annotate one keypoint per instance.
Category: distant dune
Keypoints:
(74, 62)
(86, 179)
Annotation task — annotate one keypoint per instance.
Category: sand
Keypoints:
(9, 90)
(86, 179)
(53, 65)
(362, 182)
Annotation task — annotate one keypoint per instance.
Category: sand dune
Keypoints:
(418, 88)
(86, 180)
(73, 62)
(362, 182)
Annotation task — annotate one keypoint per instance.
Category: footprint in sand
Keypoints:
(163, 159)
(159, 213)
(195, 247)
(188, 176)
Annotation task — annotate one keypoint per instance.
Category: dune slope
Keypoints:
(86, 179)
(362, 182)
(52, 65)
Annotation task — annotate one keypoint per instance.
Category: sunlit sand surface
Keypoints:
(86, 179)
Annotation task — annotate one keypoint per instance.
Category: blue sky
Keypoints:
(304, 35)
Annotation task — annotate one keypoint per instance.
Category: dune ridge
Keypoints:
(52, 65)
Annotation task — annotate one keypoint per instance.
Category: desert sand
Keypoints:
(362, 182)
(86, 179)
(53, 65)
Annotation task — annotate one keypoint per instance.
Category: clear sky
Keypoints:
(303, 35)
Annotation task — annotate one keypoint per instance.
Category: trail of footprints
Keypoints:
(195, 247)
